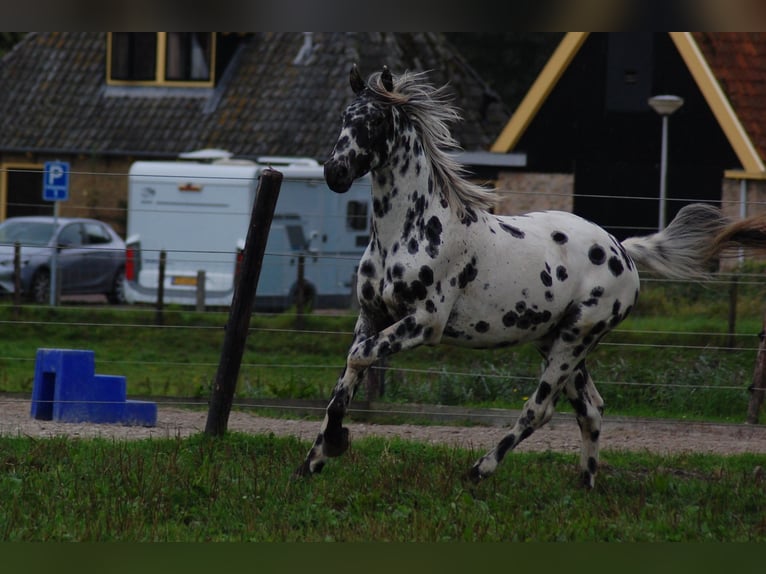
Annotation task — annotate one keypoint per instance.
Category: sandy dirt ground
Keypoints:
(560, 434)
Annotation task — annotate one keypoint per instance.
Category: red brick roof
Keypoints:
(738, 61)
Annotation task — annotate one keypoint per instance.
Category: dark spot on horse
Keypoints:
(525, 433)
(482, 327)
(430, 306)
(597, 292)
(597, 328)
(433, 233)
(367, 269)
(561, 273)
(597, 255)
(545, 277)
(514, 231)
(419, 290)
(426, 275)
(615, 266)
(468, 273)
(505, 445)
(398, 270)
(559, 237)
(412, 246)
(548, 296)
(368, 291)
(542, 392)
(521, 306)
(616, 307)
(510, 318)
(469, 216)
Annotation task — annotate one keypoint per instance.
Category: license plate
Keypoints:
(184, 280)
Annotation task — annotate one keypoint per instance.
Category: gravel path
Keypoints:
(560, 434)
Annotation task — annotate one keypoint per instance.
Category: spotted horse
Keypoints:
(440, 268)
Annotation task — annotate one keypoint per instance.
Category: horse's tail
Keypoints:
(698, 234)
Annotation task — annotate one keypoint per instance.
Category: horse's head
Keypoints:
(366, 135)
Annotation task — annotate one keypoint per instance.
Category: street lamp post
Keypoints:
(664, 105)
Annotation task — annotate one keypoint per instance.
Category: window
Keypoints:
(161, 58)
(71, 236)
(96, 234)
(356, 215)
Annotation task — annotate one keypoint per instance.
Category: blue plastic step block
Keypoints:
(140, 413)
(66, 389)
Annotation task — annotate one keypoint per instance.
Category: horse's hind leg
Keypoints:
(589, 407)
(537, 411)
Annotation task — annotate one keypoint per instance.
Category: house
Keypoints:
(103, 100)
(594, 144)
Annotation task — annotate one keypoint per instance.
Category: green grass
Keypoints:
(239, 488)
(694, 374)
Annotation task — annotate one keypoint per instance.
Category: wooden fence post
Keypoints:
(300, 294)
(200, 307)
(225, 383)
(758, 387)
(16, 279)
(160, 315)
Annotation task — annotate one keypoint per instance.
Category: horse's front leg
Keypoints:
(366, 349)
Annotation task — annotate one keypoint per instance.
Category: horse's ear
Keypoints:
(357, 83)
(388, 81)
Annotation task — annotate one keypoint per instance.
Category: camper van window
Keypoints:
(356, 215)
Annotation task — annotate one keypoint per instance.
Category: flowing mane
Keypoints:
(431, 111)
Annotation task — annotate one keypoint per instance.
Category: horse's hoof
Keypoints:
(473, 475)
(335, 442)
(587, 480)
(305, 470)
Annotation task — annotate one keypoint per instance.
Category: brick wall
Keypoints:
(523, 192)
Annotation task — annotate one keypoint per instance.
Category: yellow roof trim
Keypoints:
(718, 102)
(537, 94)
(742, 174)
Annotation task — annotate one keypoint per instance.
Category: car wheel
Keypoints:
(40, 289)
(117, 295)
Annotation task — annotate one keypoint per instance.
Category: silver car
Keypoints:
(91, 257)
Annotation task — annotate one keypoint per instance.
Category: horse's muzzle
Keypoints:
(338, 176)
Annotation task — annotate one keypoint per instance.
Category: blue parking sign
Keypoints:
(56, 181)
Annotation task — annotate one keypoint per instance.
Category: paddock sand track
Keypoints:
(560, 434)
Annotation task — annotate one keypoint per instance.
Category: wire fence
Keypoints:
(732, 344)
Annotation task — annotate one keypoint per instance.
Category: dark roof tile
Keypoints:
(54, 96)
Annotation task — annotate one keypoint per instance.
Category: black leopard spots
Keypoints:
(468, 274)
(597, 255)
(514, 231)
(367, 269)
(426, 275)
(433, 234)
(616, 266)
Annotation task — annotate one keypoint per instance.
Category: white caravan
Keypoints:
(198, 213)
